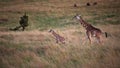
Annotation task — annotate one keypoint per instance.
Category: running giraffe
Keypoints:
(91, 31)
(57, 37)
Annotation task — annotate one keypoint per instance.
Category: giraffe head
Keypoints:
(77, 16)
(50, 30)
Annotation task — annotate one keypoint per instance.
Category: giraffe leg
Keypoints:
(98, 39)
(62, 40)
(88, 36)
(57, 40)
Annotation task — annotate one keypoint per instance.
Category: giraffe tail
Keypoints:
(106, 34)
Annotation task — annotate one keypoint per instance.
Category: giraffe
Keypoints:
(57, 37)
(91, 31)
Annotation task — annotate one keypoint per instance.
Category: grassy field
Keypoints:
(36, 48)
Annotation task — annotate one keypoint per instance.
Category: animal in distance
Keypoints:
(91, 31)
(57, 37)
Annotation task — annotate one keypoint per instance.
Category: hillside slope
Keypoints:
(37, 48)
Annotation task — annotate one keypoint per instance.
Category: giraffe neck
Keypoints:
(55, 34)
(84, 23)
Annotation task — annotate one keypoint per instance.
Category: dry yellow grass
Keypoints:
(38, 49)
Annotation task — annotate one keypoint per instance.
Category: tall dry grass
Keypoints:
(36, 49)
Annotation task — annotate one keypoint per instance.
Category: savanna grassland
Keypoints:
(36, 47)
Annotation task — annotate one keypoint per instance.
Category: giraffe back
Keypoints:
(58, 37)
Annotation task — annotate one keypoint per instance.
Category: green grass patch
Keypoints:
(6, 0)
(108, 18)
(45, 22)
